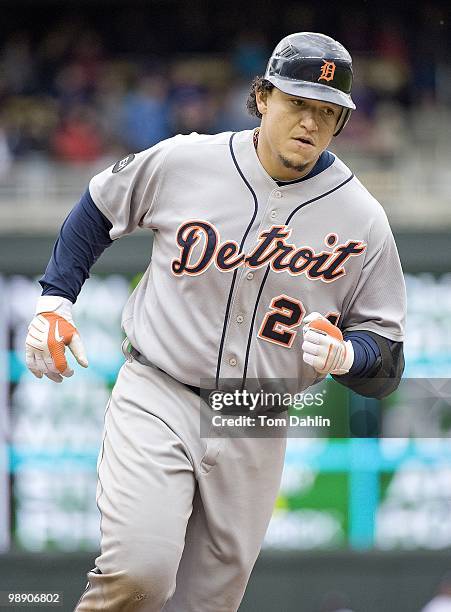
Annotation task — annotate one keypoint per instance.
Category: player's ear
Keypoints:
(261, 99)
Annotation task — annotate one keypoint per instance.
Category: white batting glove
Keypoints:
(51, 330)
(324, 347)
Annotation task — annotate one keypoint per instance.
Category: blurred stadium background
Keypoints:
(361, 524)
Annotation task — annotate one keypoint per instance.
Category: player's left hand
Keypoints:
(324, 347)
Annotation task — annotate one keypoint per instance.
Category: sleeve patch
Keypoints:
(122, 163)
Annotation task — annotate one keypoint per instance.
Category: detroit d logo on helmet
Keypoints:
(327, 71)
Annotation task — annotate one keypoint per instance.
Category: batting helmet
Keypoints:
(314, 66)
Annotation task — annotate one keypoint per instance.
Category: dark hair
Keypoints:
(258, 84)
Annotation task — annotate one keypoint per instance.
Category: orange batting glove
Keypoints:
(51, 330)
(324, 347)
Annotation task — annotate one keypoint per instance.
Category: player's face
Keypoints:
(294, 132)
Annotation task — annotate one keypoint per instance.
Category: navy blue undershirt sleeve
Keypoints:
(366, 351)
(83, 237)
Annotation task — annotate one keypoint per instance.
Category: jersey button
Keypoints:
(232, 361)
(278, 194)
(250, 275)
(273, 214)
(239, 319)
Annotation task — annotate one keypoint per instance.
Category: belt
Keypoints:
(129, 349)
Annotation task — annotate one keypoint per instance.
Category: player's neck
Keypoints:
(273, 165)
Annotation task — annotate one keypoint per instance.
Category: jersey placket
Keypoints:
(246, 294)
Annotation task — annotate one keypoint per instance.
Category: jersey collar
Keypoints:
(325, 160)
(319, 181)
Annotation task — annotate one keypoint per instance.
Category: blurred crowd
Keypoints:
(66, 95)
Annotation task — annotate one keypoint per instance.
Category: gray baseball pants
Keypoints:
(182, 517)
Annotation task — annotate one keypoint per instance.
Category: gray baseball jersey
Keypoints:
(238, 260)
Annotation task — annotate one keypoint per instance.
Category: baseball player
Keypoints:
(270, 259)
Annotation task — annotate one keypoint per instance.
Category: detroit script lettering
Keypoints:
(272, 248)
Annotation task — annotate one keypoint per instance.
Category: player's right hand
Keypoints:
(51, 330)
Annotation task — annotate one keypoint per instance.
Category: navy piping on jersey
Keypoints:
(293, 212)
(232, 285)
(249, 340)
